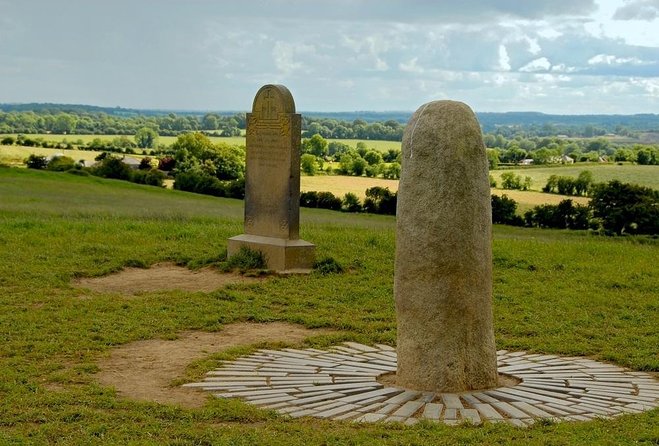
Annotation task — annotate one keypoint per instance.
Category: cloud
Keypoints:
(638, 10)
(504, 59)
(607, 59)
(411, 66)
(540, 64)
(284, 55)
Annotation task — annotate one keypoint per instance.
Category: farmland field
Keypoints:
(339, 185)
(555, 292)
(381, 146)
(16, 154)
(165, 140)
(626, 173)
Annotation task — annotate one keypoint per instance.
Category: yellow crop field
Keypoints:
(16, 155)
(340, 185)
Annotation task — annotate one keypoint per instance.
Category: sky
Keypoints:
(554, 56)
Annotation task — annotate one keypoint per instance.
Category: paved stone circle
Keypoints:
(341, 384)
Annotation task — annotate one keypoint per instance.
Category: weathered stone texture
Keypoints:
(272, 183)
(443, 277)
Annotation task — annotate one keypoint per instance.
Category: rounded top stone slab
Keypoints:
(272, 99)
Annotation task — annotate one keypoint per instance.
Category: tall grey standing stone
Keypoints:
(272, 183)
(443, 266)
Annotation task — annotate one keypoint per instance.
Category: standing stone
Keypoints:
(272, 183)
(443, 267)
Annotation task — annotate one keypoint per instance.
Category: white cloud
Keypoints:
(562, 68)
(651, 86)
(411, 66)
(504, 59)
(285, 54)
(608, 59)
(540, 64)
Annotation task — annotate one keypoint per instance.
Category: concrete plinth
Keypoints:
(282, 255)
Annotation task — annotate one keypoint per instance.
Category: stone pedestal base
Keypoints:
(283, 256)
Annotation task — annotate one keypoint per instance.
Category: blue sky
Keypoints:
(558, 56)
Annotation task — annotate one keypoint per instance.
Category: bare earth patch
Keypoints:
(163, 276)
(144, 370)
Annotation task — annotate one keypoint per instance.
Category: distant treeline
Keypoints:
(85, 119)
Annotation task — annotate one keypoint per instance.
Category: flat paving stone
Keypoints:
(432, 411)
(340, 383)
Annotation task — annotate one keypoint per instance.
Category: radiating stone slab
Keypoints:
(339, 392)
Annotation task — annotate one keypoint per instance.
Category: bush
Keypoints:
(564, 215)
(321, 200)
(626, 208)
(166, 163)
(36, 162)
(199, 182)
(309, 199)
(380, 200)
(351, 203)
(8, 141)
(145, 163)
(152, 177)
(328, 265)
(111, 167)
(308, 164)
(392, 171)
(509, 180)
(327, 200)
(61, 164)
(246, 259)
(504, 211)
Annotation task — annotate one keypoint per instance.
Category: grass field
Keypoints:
(339, 185)
(555, 292)
(17, 155)
(627, 173)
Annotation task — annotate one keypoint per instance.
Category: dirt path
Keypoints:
(144, 370)
(163, 276)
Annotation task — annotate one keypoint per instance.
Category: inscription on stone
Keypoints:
(272, 183)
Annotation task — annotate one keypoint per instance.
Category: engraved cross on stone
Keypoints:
(269, 109)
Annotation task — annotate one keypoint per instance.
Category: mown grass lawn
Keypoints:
(555, 292)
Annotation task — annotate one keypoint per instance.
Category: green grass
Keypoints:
(626, 173)
(555, 292)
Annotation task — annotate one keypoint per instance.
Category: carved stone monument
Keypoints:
(272, 183)
(443, 266)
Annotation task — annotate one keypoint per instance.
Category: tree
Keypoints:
(36, 162)
(351, 203)
(316, 145)
(492, 158)
(230, 162)
(504, 211)
(112, 167)
(373, 158)
(359, 166)
(64, 123)
(308, 164)
(626, 208)
(583, 182)
(146, 138)
(210, 121)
